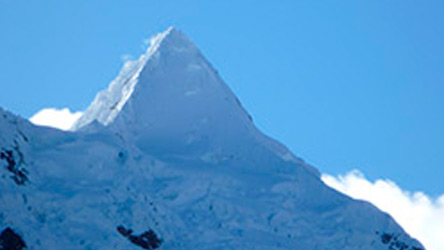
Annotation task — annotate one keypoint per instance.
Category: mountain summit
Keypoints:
(171, 79)
(172, 103)
(167, 158)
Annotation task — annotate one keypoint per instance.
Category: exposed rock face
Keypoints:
(13, 166)
(394, 243)
(9, 240)
(146, 240)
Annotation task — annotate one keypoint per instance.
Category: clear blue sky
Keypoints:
(344, 84)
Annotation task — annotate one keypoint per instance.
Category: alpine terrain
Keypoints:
(167, 158)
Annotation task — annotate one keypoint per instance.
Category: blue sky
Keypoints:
(344, 84)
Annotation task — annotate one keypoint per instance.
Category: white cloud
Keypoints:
(421, 216)
(58, 118)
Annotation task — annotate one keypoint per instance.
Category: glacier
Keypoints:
(167, 158)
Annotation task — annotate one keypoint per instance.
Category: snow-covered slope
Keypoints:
(167, 158)
(172, 103)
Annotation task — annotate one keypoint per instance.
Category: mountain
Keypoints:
(167, 158)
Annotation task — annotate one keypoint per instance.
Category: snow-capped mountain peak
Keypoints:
(167, 158)
(172, 76)
(108, 103)
(172, 98)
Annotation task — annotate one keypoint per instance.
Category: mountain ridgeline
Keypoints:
(167, 158)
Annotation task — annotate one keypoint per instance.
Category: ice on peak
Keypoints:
(170, 53)
(160, 36)
(172, 101)
(109, 102)
(171, 35)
